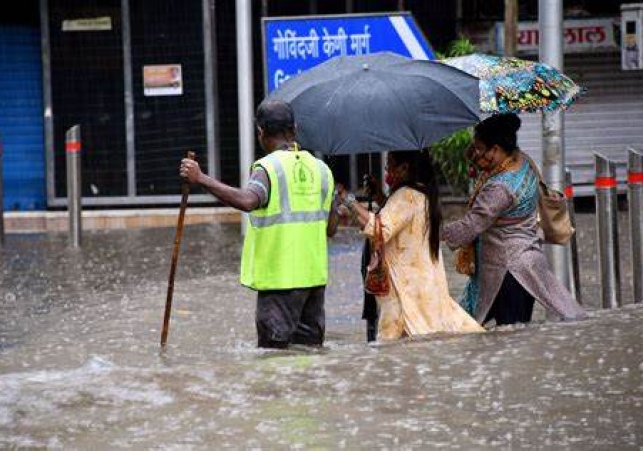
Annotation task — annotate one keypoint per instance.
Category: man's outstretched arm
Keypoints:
(239, 198)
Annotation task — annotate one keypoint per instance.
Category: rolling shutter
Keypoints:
(607, 119)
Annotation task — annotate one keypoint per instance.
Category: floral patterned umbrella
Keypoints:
(517, 85)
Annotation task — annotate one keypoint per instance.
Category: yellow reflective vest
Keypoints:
(285, 245)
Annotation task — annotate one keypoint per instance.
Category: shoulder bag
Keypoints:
(377, 280)
(553, 213)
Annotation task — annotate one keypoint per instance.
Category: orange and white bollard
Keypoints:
(573, 242)
(74, 192)
(635, 203)
(607, 229)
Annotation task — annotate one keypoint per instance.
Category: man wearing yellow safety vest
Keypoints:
(289, 198)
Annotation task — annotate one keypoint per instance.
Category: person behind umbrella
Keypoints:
(498, 236)
(373, 189)
(419, 302)
(288, 197)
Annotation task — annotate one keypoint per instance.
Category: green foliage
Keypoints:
(449, 153)
(460, 47)
(449, 156)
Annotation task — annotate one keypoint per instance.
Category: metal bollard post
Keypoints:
(1, 197)
(573, 243)
(72, 151)
(607, 230)
(635, 201)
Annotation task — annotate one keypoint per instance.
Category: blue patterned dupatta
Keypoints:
(469, 298)
(524, 184)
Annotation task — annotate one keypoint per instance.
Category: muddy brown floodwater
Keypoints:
(81, 367)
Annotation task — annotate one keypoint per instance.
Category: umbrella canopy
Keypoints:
(516, 85)
(379, 102)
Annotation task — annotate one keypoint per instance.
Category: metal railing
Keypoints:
(573, 242)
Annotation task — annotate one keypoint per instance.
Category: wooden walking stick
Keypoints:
(185, 191)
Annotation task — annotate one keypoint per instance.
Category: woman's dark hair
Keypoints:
(499, 129)
(422, 178)
(275, 118)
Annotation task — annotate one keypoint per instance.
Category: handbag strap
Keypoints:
(379, 235)
(533, 165)
(535, 168)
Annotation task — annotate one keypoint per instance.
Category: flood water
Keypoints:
(81, 366)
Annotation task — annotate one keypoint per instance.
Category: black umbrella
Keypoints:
(379, 102)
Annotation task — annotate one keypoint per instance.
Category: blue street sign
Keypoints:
(294, 45)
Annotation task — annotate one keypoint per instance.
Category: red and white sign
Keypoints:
(579, 36)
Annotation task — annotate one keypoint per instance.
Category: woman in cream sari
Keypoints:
(418, 302)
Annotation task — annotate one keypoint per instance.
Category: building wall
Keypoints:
(88, 88)
(226, 73)
(21, 129)
(167, 32)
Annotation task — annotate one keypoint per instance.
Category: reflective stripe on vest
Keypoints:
(286, 215)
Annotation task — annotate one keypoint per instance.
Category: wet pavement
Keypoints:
(81, 366)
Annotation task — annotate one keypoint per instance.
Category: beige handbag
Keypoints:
(553, 214)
